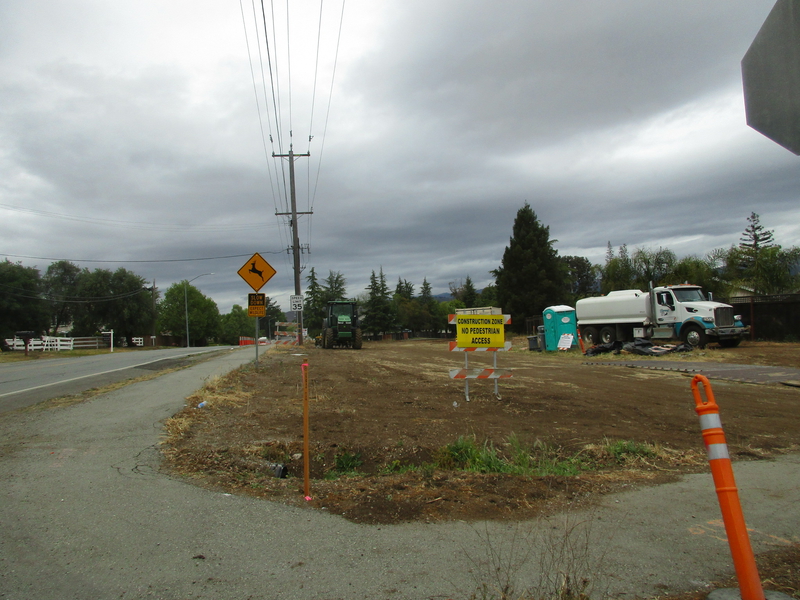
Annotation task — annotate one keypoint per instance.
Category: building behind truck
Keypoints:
(672, 312)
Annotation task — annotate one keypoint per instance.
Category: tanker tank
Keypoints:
(623, 306)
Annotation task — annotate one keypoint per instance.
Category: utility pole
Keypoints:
(295, 237)
(155, 315)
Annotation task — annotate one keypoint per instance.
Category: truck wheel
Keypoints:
(730, 342)
(357, 339)
(608, 335)
(590, 336)
(694, 336)
(329, 338)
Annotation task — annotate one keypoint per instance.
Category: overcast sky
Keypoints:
(141, 131)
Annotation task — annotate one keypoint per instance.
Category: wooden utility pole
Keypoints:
(295, 236)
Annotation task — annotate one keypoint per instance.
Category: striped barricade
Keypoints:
(454, 348)
(480, 332)
(480, 373)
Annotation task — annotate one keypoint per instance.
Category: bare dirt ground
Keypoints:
(393, 439)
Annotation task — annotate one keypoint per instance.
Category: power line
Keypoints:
(328, 112)
(160, 260)
(136, 224)
(255, 93)
(327, 116)
(77, 300)
(280, 59)
(289, 67)
(276, 192)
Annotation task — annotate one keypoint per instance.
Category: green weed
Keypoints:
(465, 454)
(396, 467)
(347, 462)
(624, 450)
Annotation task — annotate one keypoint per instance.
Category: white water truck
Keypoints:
(672, 312)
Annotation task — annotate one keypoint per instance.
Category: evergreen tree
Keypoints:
(427, 308)
(426, 292)
(757, 257)
(404, 289)
(469, 296)
(618, 272)
(581, 278)
(334, 287)
(758, 264)
(314, 304)
(380, 317)
(531, 276)
(755, 238)
(488, 296)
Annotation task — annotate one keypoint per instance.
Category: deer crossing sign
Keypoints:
(256, 272)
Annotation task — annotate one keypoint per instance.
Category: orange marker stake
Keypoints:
(306, 445)
(718, 458)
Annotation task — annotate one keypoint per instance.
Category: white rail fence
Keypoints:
(56, 344)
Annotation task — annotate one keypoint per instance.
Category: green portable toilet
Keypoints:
(559, 320)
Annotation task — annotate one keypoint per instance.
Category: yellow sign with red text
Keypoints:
(256, 305)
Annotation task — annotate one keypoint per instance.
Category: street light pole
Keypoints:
(186, 303)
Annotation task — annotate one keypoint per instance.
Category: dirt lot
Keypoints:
(393, 439)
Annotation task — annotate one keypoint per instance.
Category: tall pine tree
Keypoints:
(618, 272)
(755, 238)
(314, 306)
(380, 317)
(469, 295)
(531, 276)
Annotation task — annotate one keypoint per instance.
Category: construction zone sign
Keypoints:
(480, 331)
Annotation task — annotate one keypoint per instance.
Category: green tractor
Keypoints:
(341, 327)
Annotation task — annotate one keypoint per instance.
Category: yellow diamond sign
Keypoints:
(256, 272)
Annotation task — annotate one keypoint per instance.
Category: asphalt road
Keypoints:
(30, 382)
(85, 514)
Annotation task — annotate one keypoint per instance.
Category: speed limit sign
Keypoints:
(297, 303)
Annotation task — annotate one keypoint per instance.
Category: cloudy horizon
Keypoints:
(141, 136)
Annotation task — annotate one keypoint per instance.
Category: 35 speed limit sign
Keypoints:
(297, 303)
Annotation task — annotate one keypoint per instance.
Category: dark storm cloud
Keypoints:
(618, 121)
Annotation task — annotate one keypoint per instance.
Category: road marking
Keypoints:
(38, 387)
(714, 526)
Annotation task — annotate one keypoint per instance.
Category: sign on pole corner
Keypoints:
(296, 303)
